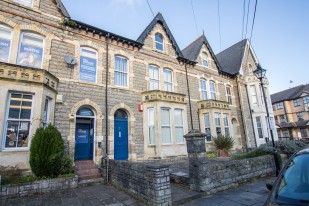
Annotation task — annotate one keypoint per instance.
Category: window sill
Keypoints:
(152, 145)
(181, 143)
(26, 149)
(167, 144)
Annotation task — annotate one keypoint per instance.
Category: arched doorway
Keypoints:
(84, 134)
(120, 135)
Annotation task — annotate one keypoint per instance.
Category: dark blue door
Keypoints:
(121, 138)
(83, 142)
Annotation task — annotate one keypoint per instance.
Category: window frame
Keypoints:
(229, 95)
(300, 116)
(280, 105)
(151, 126)
(121, 72)
(213, 93)
(19, 120)
(207, 127)
(179, 126)
(296, 102)
(303, 132)
(204, 58)
(226, 124)
(217, 117)
(19, 2)
(171, 84)
(253, 94)
(46, 120)
(4, 27)
(203, 91)
(160, 43)
(259, 126)
(152, 66)
(166, 126)
(34, 35)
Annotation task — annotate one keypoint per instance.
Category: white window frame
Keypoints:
(207, 125)
(180, 126)
(280, 105)
(157, 42)
(167, 83)
(154, 67)
(7, 119)
(203, 90)
(213, 94)
(116, 70)
(254, 97)
(217, 117)
(166, 126)
(226, 124)
(151, 125)
(229, 94)
(6, 28)
(296, 102)
(205, 61)
(34, 36)
(20, 2)
(259, 126)
(46, 118)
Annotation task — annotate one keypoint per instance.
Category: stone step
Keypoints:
(88, 177)
(90, 182)
(84, 162)
(86, 166)
(88, 172)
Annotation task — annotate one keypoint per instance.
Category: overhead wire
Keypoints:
(243, 18)
(150, 8)
(253, 19)
(194, 17)
(219, 22)
(248, 11)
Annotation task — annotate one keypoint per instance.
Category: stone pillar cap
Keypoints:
(195, 133)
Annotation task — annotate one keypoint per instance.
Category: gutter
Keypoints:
(106, 109)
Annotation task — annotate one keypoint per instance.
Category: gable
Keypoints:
(249, 59)
(211, 61)
(159, 25)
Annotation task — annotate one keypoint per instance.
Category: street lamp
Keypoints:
(260, 74)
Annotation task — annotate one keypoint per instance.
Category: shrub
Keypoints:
(66, 166)
(251, 154)
(47, 152)
(211, 155)
(9, 173)
(288, 147)
(223, 142)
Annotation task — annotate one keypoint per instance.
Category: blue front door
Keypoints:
(83, 142)
(121, 138)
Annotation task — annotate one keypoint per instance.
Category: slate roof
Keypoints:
(62, 8)
(230, 59)
(289, 94)
(192, 50)
(159, 19)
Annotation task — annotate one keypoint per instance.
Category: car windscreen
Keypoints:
(294, 184)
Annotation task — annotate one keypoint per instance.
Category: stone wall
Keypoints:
(151, 183)
(42, 186)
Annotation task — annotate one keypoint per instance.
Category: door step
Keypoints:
(90, 182)
(87, 172)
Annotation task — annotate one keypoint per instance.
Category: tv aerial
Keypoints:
(69, 60)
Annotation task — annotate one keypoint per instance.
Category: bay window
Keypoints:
(5, 43)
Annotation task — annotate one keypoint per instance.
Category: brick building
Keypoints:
(97, 87)
(291, 108)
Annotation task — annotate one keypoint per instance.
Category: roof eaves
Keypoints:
(62, 8)
(101, 32)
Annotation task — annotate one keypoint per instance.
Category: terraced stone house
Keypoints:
(117, 97)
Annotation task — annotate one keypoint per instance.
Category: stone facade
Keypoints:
(151, 183)
(148, 134)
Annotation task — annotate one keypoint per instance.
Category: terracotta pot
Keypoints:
(223, 153)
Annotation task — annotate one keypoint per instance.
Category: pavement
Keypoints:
(248, 194)
(253, 194)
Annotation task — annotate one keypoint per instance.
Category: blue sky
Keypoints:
(280, 36)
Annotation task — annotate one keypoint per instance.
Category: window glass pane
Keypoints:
(204, 59)
(88, 65)
(11, 134)
(5, 43)
(179, 135)
(178, 117)
(259, 126)
(151, 126)
(120, 114)
(165, 116)
(24, 2)
(25, 113)
(30, 51)
(84, 111)
(203, 89)
(166, 135)
(159, 38)
(207, 127)
(212, 90)
(165, 125)
(23, 134)
(152, 135)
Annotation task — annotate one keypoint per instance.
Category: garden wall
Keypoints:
(148, 182)
(36, 187)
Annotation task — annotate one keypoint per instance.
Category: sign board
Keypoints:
(30, 56)
(87, 71)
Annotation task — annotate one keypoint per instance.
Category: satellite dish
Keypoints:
(69, 59)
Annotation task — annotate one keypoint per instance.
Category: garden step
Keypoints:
(88, 172)
(88, 166)
(90, 182)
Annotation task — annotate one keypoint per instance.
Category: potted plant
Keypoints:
(223, 144)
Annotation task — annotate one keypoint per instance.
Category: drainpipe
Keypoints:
(189, 96)
(241, 113)
(106, 109)
(251, 115)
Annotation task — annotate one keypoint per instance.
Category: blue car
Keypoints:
(292, 184)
